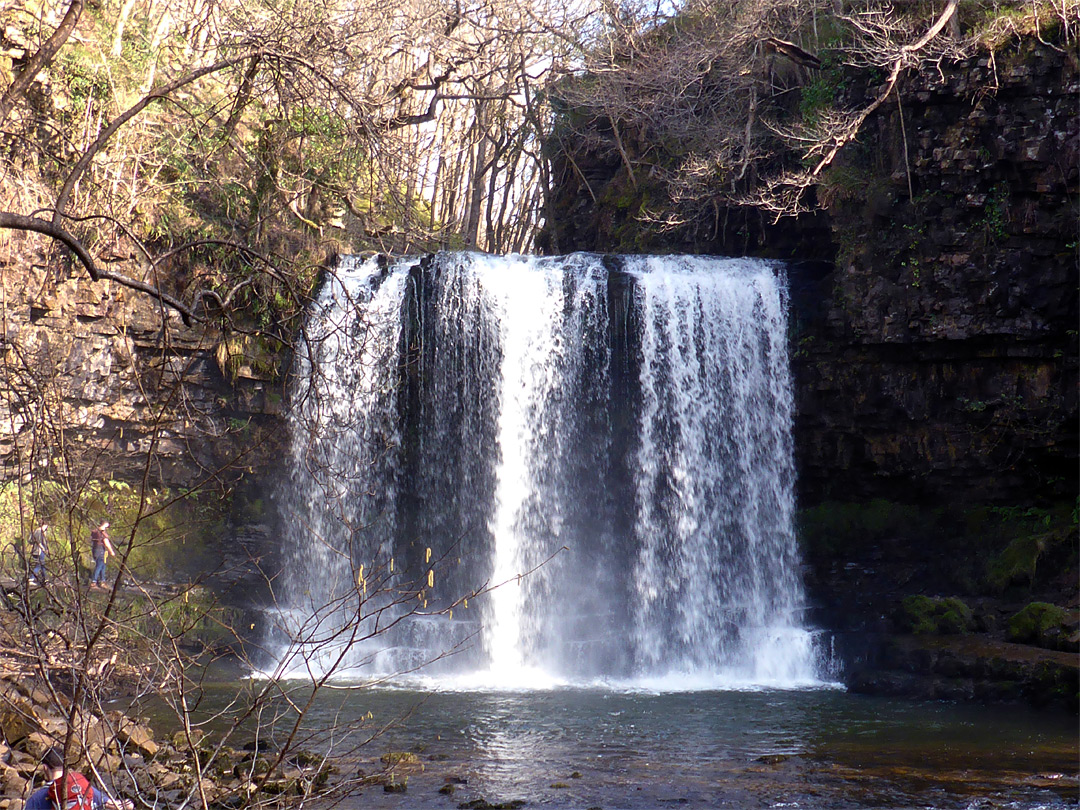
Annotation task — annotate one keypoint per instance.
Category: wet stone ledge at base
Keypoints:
(968, 667)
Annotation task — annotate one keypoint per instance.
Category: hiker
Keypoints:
(100, 547)
(38, 548)
(79, 795)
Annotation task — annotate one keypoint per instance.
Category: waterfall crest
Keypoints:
(607, 440)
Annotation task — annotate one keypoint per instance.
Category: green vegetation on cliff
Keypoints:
(214, 155)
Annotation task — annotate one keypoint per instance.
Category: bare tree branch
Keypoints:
(19, 85)
(23, 223)
(851, 130)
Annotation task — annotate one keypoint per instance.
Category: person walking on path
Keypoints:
(100, 547)
(39, 545)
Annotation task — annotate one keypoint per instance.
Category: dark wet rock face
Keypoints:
(937, 358)
(968, 668)
(936, 370)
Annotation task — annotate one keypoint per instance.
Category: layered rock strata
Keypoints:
(100, 381)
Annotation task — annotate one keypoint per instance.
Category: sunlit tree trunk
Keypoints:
(121, 21)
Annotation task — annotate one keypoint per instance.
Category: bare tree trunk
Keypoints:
(461, 188)
(160, 32)
(455, 202)
(476, 189)
(435, 189)
(491, 236)
(243, 97)
(501, 235)
(118, 37)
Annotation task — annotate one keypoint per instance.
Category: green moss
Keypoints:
(1041, 543)
(998, 25)
(916, 614)
(1017, 563)
(989, 548)
(954, 616)
(252, 356)
(995, 218)
(927, 615)
(1039, 623)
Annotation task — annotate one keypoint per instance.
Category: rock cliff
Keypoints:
(935, 292)
(937, 357)
(95, 377)
(935, 360)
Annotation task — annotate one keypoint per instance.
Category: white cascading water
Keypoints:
(716, 574)
(343, 398)
(527, 304)
(606, 440)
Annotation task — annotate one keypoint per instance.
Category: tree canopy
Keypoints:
(212, 153)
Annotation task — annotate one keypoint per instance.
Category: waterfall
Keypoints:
(338, 495)
(596, 449)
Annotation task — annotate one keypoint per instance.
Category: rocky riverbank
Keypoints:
(80, 669)
(957, 603)
(125, 757)
(968, 667)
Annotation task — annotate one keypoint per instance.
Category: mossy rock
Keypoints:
(304, 759)
(279, 787)
(1016, 564)
(954, 617)
(1040, 624)
(930, 615)
(773, 759)
(394, 758)
(917, 614)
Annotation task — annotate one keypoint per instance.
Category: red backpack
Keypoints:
(79, 796)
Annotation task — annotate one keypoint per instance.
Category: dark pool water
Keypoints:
(601, 748)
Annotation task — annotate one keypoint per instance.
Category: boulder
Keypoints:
(14, 724)
(18, 715)
(12, 783)
(37, 743)
(133, 735)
